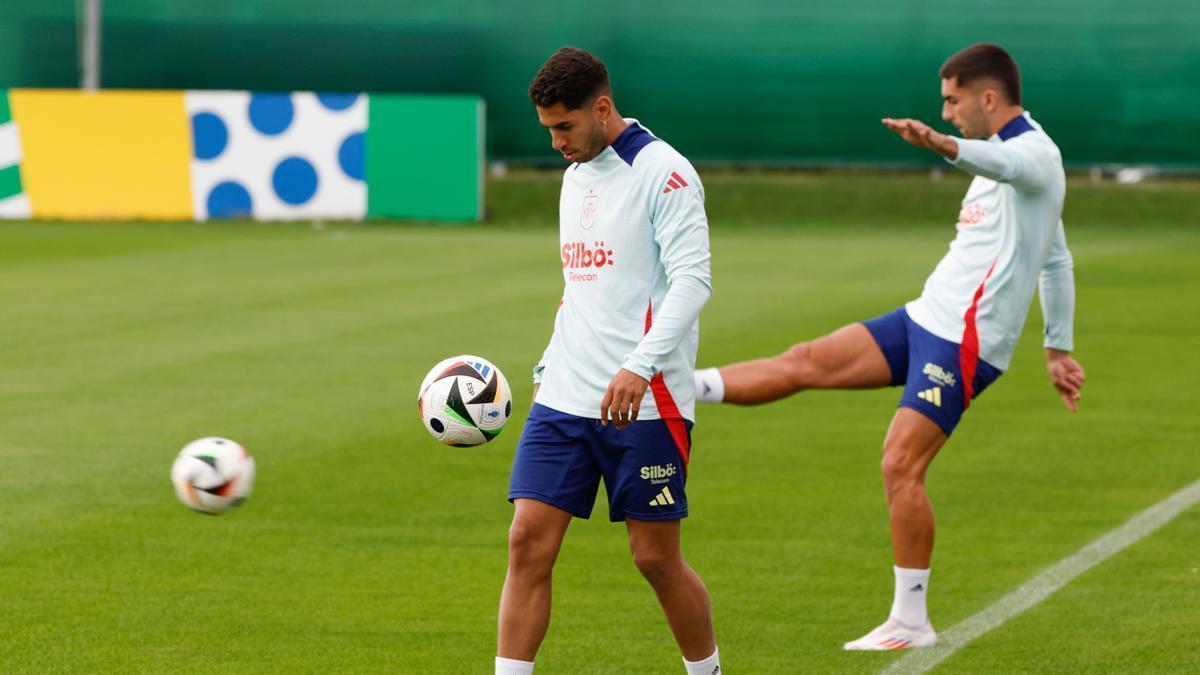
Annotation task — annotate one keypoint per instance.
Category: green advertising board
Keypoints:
(425, 157)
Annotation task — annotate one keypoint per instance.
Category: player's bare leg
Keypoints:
(848, 358)
(534, 540)
(683, 596)
(912, 441)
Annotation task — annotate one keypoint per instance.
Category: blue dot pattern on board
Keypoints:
(209, 135)
(337, 102)
(350, 156)
(271, 114)
(295, 180)
(229, 200)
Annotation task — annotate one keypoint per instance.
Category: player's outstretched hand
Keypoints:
(623, 399)
(912, 131)
(916, 132)
(1067, 376)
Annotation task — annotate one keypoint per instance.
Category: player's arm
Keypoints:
(921, 135)
(1056, 289)
(681, 231)
(1018, 162)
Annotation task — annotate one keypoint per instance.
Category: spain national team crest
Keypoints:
(588, 218)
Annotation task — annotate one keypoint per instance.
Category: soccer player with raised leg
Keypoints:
(949, 344)
(614, 396)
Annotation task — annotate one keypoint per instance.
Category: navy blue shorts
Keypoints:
(561, 459)
(940, 378)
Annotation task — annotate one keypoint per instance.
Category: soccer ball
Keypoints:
(213, 475)
(464, 401)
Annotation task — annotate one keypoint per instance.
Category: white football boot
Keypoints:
(894, 635)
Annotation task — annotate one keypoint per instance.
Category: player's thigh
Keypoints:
(848, 358)
(913, 440)
(537, 526)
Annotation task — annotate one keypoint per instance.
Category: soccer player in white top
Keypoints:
(949, 344)
(614, 398)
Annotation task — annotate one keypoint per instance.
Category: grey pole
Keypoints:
(89, 50)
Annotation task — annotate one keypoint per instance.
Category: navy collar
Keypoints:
(631, 141)
(1015, 127)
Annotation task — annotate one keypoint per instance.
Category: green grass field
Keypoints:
(367, 547)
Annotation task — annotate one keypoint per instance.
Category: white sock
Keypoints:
(709, 666)
(908, 602)
(710, 388)
(513, 667)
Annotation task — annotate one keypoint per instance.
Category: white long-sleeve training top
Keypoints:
(1010, 240)
(635, 260)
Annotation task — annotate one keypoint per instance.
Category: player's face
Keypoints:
(577, 134)
(964, 108)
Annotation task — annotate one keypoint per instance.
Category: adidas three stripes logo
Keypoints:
(664, 498)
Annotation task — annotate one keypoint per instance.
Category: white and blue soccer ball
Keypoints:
(213, 475)
(464, 401)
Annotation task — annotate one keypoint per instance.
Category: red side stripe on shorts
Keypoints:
(968, 350)
(667, 409)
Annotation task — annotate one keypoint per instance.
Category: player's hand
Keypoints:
(1067, 376)
(916, 132)
(623, 398)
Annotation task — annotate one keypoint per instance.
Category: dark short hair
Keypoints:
(982, 61)
(571, 76)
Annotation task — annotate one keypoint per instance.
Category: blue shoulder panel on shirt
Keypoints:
(631, 141)
(1015, 127)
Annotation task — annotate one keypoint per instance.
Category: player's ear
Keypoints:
(990, 100)
(602, 108)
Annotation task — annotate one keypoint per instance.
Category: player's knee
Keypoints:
(656, 566)
(798, 365)
(528, 550)
(901, 464)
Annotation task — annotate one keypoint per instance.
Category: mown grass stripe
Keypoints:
(1047, 583)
